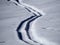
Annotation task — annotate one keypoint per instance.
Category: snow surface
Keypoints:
(47, 27)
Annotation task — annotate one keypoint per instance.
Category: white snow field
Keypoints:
(46, 29)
